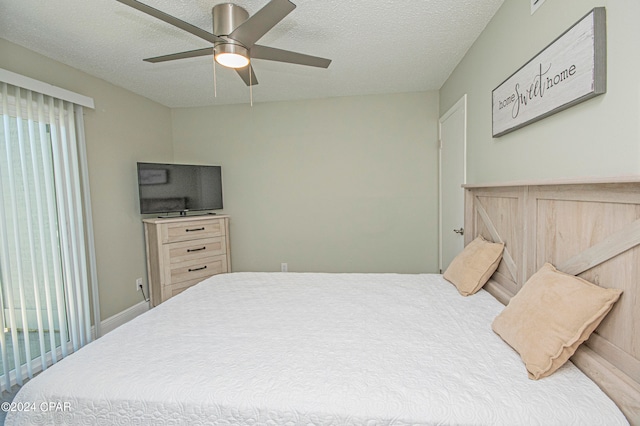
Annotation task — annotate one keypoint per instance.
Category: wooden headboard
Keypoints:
(587, 228)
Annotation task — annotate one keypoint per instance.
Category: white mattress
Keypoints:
(321, 349)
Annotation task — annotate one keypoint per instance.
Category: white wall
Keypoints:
(336, 185)
(599, 137)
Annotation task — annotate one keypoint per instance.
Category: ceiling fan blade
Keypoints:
(251, 30)
(190, 54)
(212, 38)
(244, 75)
(273, 54)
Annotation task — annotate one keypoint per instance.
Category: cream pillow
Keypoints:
(551, 316)
(472, 268)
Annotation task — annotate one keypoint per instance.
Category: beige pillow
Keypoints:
(472, 268)
(551, 316)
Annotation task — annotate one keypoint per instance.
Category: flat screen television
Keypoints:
(179, 188)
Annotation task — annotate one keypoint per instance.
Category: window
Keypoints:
(46, 251)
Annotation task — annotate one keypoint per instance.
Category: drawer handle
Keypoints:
(195, 229)
(198, 249)
(198, 269)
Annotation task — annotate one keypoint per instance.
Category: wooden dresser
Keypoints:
(182, 251)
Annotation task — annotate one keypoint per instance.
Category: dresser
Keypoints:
(182, 251)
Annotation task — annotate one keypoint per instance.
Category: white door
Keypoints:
(453, 166)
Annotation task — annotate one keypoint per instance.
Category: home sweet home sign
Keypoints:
(570, 70)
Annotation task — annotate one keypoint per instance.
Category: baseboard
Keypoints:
(120, 318)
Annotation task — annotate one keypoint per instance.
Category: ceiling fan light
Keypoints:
(231, 55)
(232, 60)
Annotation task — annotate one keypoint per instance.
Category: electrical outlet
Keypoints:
(139, 284)
(284, 267)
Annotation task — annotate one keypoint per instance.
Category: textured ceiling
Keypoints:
(377, 46)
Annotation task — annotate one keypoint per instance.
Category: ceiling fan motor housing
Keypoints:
(227, 17)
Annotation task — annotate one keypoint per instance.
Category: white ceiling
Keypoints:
(377, 46)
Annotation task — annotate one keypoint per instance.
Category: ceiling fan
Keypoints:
(234, 37)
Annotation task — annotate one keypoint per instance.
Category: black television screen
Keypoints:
(172, 188)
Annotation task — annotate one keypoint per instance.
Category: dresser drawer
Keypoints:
(191, 230)
(194, 249)
(182, 251)
(173, 289)
(196, 268)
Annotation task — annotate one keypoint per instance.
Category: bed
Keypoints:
(325, 349)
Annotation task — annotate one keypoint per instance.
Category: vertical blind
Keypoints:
(45, 242)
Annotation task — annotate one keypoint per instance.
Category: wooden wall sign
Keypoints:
(570, 70)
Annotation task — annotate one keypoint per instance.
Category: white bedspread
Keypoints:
(312, 349)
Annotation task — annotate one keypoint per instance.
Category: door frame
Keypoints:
(460, 104)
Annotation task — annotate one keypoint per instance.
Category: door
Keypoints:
(453, 166)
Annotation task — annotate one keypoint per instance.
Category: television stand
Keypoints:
(182, 251)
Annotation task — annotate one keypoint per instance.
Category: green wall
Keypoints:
(347, 184)
(333, 185)
(123, 128)
(343, 184)
(599, 137)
